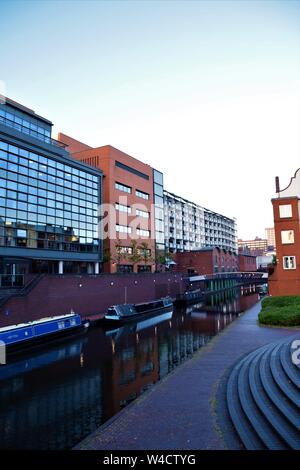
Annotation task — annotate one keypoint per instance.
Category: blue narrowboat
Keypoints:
(29, 360)
(41, 331)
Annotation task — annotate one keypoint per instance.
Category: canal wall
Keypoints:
(87, 294)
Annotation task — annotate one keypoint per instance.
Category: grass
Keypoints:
(280, 311)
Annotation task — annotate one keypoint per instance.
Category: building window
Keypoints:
(125, 250)
(144, 251)
(21, 237)
(158, 177)
(142, 213)
(122, 208)
(38, 194)
(142, 194)
(125, 268)
(123, 229)
(285, 211)
(143, 233)
(287, 237)
(144, 269)
(123, 187)
(132, 170)
(289, 262)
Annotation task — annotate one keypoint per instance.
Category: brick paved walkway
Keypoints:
(177, 412)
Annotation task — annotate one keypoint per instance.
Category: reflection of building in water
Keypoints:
(238, 300)
(246, 300)
(187, 334)
(134, 367)
(56, 398)
(52, 407)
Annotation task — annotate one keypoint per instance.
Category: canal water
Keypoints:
(55, 397)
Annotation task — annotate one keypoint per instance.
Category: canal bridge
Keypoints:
(201, 286)
(222, 280)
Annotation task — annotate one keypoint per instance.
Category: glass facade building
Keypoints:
(48, 201)
(158, 194)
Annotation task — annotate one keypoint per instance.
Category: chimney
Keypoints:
(277, 184)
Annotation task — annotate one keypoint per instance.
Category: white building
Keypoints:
(189, 226)
(220, 231)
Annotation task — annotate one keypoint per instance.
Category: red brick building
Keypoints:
(247, 263)
(285, 280)
(128, 196)
(206, 261)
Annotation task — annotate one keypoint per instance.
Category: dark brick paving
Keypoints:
(178, 413)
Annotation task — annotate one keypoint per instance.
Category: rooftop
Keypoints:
(24, 109)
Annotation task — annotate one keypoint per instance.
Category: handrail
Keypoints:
(11, 280)
(24, 291)
(227, 275)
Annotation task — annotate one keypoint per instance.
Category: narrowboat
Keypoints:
(32, 360)
(136, 327)
(41, 331)
(189, 297)
(125, 313)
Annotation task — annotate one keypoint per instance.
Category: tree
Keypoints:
(162, 259)
(135, 256)
(119, 255)
(145, 252)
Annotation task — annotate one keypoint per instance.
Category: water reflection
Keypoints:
(54, 398)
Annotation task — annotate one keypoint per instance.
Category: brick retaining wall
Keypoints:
(88, 294)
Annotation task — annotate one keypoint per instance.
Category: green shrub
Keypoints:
(280, 311)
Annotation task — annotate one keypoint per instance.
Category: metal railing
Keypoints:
(229, 275)
(31, 132)
(23, 291)
(12, 280)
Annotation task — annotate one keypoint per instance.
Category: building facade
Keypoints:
(184, 224)
(220, 231)
(48, 202)
(247, 263)
(206, 261)
(270, 236)
(132, 205)
(189, 226)
(255, 247)
(264, 262)
(158, 195)
(285, 279)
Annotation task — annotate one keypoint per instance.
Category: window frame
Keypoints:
(289, 257)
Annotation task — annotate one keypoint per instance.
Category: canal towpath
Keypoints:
(178, 412)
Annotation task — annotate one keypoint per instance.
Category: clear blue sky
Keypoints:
(206, 91)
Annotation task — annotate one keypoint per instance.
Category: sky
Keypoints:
(208, 92)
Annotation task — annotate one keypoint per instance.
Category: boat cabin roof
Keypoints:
(37, 322)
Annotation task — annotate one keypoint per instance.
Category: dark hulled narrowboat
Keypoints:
(124, 313)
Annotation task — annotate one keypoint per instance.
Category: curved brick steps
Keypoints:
(263, 398)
